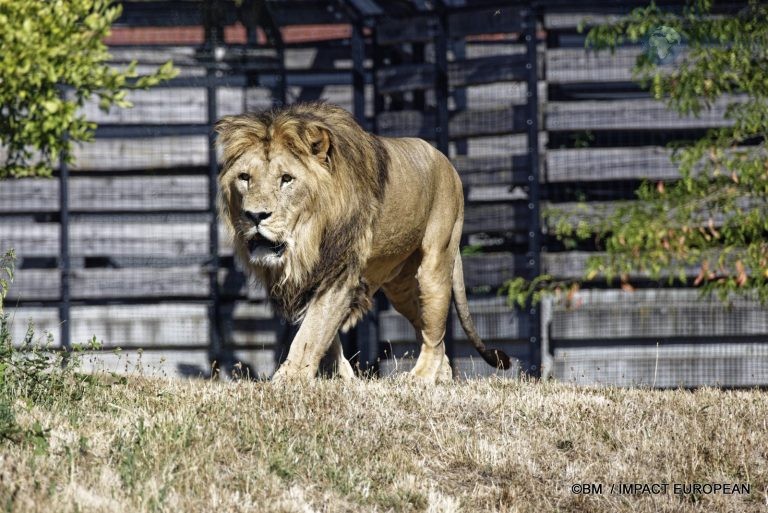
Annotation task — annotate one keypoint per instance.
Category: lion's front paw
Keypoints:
(288, 372)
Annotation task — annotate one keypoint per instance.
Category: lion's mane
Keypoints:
(335, 241)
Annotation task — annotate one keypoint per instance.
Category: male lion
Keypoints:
(325, 214)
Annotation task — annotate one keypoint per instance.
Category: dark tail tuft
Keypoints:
(496, 358)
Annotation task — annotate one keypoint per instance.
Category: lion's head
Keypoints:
(298, 190)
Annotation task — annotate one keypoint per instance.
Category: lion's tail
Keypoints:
(494, 357)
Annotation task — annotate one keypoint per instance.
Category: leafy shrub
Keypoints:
(53, 60)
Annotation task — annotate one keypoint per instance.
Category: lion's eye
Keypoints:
(286, 179)
(244, 177)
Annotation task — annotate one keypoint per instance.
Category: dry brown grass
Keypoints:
(388, 445)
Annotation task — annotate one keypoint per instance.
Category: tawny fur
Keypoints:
(355, 213)
(336, 239)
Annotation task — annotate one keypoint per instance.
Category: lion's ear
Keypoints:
(320, 144)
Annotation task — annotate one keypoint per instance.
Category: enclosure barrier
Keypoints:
(126, 246)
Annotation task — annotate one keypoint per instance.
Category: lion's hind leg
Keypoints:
(423, 301)
(435, 278)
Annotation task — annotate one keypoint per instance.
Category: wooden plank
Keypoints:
(492, 170)
(92, 239)
(686, 365)
(170, 239)
(237, 101)
(596, 211)
(29, 195)
(494, 193)
(471, 123)
(493, 319)
(485, 70)
(475, 48)
(191, 281)
(188, 58)
(655, 313)
(570, 20)
(484, 21)
(189, 62)
(35, 284)
(156, 193)
(415, 29)
(157, 363)
(29, 239)
(405, 77)
(630, 115)
(183, 105)
(340, 95)
(464, 368)
(491, 269)
(166, 105)
(609, 164)
(180, 55)
(44, 321)
(566, 265)
(462, 124)
(602, 164)
(407, 123)
(499, 145)
(137, 154)
(573, 264)
(95, 283)
(491, 96)
(574, 65)
(495, 218)
(131, 282)
(155, 325)
(136, 282)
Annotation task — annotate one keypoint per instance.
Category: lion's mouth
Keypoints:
(258, 245)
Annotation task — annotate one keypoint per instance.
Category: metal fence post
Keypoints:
(214, 36)
(367, 330)
(533, 255)
(358, 72)
(64, 262)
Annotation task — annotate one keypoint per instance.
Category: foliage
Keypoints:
(53, 60)
(715, 217)
(32, 373)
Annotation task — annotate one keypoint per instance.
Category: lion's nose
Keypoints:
(257, 217)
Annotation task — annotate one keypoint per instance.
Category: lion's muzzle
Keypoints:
(260, 246)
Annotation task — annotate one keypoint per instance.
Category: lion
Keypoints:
(325, 214)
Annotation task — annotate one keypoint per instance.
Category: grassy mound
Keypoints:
(135, 444)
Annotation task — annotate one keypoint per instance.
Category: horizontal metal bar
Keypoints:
(258, 78)
(131, 131)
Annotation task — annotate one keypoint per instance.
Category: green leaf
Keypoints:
(55, 43)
